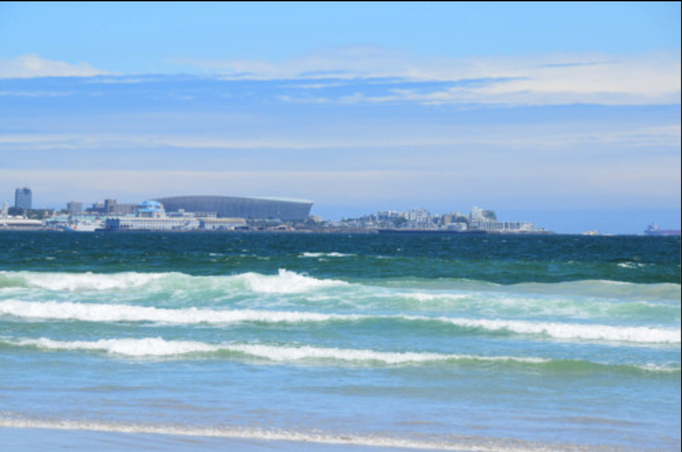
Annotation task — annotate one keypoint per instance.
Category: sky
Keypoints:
(565, 114)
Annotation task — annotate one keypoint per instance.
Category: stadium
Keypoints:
(238, 207)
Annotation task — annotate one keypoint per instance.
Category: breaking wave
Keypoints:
(284, 281)
(601, 298)
(158, 347)
(332, 254)
(92, 312)
(124, 313)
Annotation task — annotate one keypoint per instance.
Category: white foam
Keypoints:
(127, 347)
(91, 312)
(452, 442)
(575, 331)
(160, 347)
(285, 354)
(332, 254)
(286, 282)
(84, 281)
(429, 297)
(124, 313)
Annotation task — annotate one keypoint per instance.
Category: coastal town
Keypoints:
(222, 213)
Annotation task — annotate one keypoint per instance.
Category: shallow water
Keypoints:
(497, 342)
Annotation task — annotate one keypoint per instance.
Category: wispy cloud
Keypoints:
(536, 80)
(529, 137)
(29, 66)
(35, 93)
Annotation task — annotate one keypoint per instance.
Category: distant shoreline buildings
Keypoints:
(421, 220)
(23, 198)
(230, 213)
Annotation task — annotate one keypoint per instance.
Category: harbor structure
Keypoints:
(11, 223)
(151, 216)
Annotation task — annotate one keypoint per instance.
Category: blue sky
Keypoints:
(567, 114)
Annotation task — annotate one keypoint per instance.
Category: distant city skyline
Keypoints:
(383, 216)
(564, 114)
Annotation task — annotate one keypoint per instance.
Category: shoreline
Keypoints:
(45, 436)
(44, 439)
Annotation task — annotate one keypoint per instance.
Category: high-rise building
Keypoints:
(23, 198)
(109, 205)
(74, 207)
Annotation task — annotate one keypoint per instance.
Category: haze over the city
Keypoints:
(564, 114)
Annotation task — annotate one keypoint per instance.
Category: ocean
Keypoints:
(468, 343)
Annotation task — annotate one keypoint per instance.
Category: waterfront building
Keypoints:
(125, 209)
(109, 205)
(502, 226)
(74, 207)
(97, 207)
(419, 215)
(23, 198)
(151, 224)
(20, 224)
(239, 207)
(221, 224)
(17, 223)
(151, 216)
(112, 207)
(460, 227)
(475, 214)
(390, 215)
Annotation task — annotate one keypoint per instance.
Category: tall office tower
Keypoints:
(74, 207)
(22, 198)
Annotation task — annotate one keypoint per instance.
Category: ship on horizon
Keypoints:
(654, 229)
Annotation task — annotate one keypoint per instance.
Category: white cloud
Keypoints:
(537, 80)
(28, 66)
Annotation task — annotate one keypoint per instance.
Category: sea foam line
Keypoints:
(155, 347)
(285, 281)
(463, 444)
(92, 312)
(332, 254)
(289, 282)
(158, 347)
(557, 330)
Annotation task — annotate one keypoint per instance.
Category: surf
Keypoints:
(157, 347)
(95, 312)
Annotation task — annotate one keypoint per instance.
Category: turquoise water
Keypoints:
(449, 342)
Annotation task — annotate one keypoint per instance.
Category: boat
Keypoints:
(82, 226)
(20, 224)
(655, 230)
